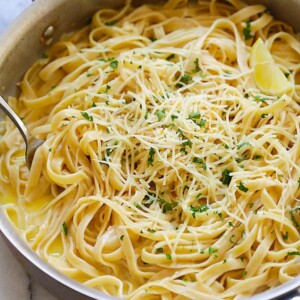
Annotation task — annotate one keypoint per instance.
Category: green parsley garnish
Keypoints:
(160, 114)
(257, 157)
(137, 205)
(65, 228)
(151, 157)
(194, 115)
(89, 74)
(44, 56)
(242, 188)
(226, 177)
(287, 74)
(220, 215)
(259, 99)
(298, 183)
(231, 241)
(122, 237)
(293, 253)
(151, 230)
(295, 210)
(244, 274)
(247, 31)
(286, 236)
(171, 56)
(173, 117)
(199, 209)
(200, 161)
(240, 146)
(111, 23)
(185, 79)
(197, 68)
(212, 250)
(149, 199)
(167, 206)
(94, 104)
(114, 64)
(159, 250)
(168, 256)
(87, 116)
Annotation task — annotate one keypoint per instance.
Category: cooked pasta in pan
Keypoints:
(171, 162)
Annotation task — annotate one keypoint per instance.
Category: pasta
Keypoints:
(166, 173)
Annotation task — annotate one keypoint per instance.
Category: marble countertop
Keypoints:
(15, 284)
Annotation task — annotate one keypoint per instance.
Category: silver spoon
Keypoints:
(31, 143)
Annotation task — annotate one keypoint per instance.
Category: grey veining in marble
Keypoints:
(15, 284)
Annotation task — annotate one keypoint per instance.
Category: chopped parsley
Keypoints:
(159, 250)
(149, 199)
(65, 228)
(87, 116)
(298, 183)
(168, 256)
(240, 146)
(244, 274)
(107, 88)
(122, 237)
(160, 114)
(171, 56)
(114, 64)
(167, 206)
(220, 215)
(89, 74)
(198, 209)
(137, 205)
(94, 104)
(263, 116)
(230, 224)
(111, 23)
(226, 177)
(247, 31)
(231, 241)
(185, 144)
(242, 188)
(44, 56)
(173, 117)
(200, 161)
(260, 99)
(194, 115)
(295, 222)
(185, 79)
(151, 157)
(286, 236)
(257, 156)
(287, 74)
(212, 250)
(293, 253)
(151, 230)
(197, 68)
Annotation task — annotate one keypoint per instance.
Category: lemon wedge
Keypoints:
(267, 75)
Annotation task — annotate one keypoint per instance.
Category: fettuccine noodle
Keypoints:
(165, 172)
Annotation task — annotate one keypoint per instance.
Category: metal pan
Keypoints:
(21, 44)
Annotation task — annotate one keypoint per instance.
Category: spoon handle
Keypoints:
(15, 118)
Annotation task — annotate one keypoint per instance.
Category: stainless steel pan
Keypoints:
(20, 46)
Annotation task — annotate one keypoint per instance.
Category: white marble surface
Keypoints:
(15, 284)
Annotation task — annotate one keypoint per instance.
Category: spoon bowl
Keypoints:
(32, 144)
